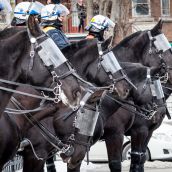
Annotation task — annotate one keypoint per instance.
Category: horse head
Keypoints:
(151, 48)
(143, 78)
(48, 65)
(139, 76)
(98, 68)
(162, 48)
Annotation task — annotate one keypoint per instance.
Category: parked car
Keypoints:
(159, 147)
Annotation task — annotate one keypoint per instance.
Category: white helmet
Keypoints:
(53, 11)
(99, 23)
(23, 9)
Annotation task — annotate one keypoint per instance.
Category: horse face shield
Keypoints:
(111, 65)
(161, 43)
(156, 89)
(86, 121)
(162, 46)
(52, 56)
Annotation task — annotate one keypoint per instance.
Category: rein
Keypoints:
(45, 132)
(109, 62)
(123, 102)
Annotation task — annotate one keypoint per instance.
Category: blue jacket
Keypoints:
(59, 38)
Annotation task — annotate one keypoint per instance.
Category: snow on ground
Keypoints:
(154, 164)
(84, 168)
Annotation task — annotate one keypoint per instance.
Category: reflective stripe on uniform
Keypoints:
(46, 29)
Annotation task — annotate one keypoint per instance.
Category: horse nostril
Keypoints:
(127, 91)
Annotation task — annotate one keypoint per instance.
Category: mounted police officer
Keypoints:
(23, 9)
(52, 16)
(97, 27)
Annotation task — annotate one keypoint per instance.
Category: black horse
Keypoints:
(14, 127)
(21, 62)
(86, 52)
(138, 49)
(137, 46)
(143, 50)
(64, 117)
(102, 78)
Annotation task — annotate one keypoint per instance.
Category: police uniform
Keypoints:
(52, 25)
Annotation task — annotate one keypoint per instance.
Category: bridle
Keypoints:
(53, 140)
(51, 59)
(110, 64)
(161, 44)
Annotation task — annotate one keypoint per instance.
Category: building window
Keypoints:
(165, 7)
(140, 8)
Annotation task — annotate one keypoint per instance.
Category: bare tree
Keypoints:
(114, 10)
(89, 9)
(123, 24)
(101, 6)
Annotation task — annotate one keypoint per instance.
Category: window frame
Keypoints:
(134, 14)
(164, 15)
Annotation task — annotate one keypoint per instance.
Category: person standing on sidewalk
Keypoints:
(81, 15)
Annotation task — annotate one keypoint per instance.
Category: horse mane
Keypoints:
(7, 32)
(78, 48)
(124, 42)
(84, 45)
(75, 46)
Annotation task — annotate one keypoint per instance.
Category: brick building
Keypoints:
(146, 13)
(143, 14)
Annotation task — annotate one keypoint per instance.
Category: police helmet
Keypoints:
(99, 23)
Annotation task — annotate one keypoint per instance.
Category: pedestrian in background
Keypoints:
(81, 15)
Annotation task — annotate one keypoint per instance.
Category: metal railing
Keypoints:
(13, 165)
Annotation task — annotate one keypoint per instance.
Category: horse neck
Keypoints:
(6, 33)
(10, 65)
(131, 48)
(81, 56)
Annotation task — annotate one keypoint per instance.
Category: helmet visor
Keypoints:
(110, 22)
(62, 10)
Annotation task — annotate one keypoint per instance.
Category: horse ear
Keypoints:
(106, 43)
(157, 28)
(33, 26)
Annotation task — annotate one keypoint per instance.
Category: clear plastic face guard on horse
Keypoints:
(111, 65)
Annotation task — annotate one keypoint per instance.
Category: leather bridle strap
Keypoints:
(21, 84)
(26, 94)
